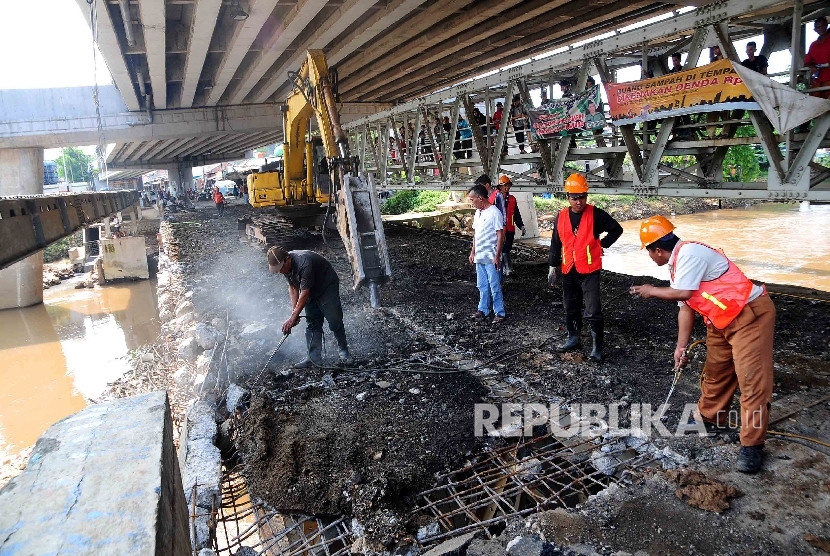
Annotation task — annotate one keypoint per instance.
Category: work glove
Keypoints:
(524, 231)
(553, 276)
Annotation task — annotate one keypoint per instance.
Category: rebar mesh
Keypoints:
(534, 475)
(243, 522)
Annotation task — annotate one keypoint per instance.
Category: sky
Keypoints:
(57, 51)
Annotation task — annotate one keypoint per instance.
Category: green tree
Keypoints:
(742, 158)
(77, 163)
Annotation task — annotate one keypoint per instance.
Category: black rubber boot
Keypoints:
(597, 333)
(750, 459)
(573, 342)
(314, 342)
(343, 347)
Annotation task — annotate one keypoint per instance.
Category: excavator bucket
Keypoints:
(361, 227)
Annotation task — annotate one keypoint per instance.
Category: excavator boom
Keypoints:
(292, 183)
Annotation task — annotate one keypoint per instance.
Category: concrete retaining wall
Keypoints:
(105, 480)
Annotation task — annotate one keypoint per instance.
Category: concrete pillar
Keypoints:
(179, 178)
(21, 173)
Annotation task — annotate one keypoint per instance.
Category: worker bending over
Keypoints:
(576, 254)
(740, 323)
(313, 285)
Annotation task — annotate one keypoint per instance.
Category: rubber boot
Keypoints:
(597, 333)
(573, 325)
(508, 264)
(314, 341)
(343, 348)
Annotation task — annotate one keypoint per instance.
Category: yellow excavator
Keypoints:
(321, 171)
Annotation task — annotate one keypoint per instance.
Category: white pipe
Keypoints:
(128, 21)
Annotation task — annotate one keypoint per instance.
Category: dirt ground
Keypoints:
(363, 442)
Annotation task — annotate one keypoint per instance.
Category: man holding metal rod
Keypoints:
(313, 285)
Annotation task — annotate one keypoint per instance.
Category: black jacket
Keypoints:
(603, 223)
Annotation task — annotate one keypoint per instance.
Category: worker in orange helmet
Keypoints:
(576, 254)
(512, 220)
(740, 325)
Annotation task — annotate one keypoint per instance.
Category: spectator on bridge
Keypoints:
(481, 120)
(715, 54)
(589, 82)
(545, 100)
(466, 135)
(818, 59)
(518, 117)
(753, 62)
(566, 89)
(676, 66)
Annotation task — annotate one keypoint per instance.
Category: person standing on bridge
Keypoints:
(313, 285)
(740, 328)
(818, 59)
(576, 255)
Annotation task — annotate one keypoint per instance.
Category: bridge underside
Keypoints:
(618, 160)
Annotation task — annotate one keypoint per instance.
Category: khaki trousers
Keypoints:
(740, 355)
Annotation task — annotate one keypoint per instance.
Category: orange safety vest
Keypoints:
(581, 249)
(720, 300)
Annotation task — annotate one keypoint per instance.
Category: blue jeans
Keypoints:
(489, 283)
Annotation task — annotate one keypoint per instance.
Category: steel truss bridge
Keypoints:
(793, 174)
(30, 223)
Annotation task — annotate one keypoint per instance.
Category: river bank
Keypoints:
(363, 443)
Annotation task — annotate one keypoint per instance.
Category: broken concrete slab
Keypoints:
(234, 396)
(485, 547)
(453, 547)
(202, 472)
(199, 422)
(105, 480)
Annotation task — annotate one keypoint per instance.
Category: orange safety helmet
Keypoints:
(654, 228)
(504, 179)
(576, 183)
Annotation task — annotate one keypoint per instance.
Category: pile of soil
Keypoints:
(700, 491)
(357, 445)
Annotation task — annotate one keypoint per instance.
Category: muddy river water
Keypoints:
(776, 243)
(55, 356)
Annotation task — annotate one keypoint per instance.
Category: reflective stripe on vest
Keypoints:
(725, 296)
(582, 250)
(713, 299)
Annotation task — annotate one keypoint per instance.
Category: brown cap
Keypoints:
(276, 258)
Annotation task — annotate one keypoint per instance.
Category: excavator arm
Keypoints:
(357, 207)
